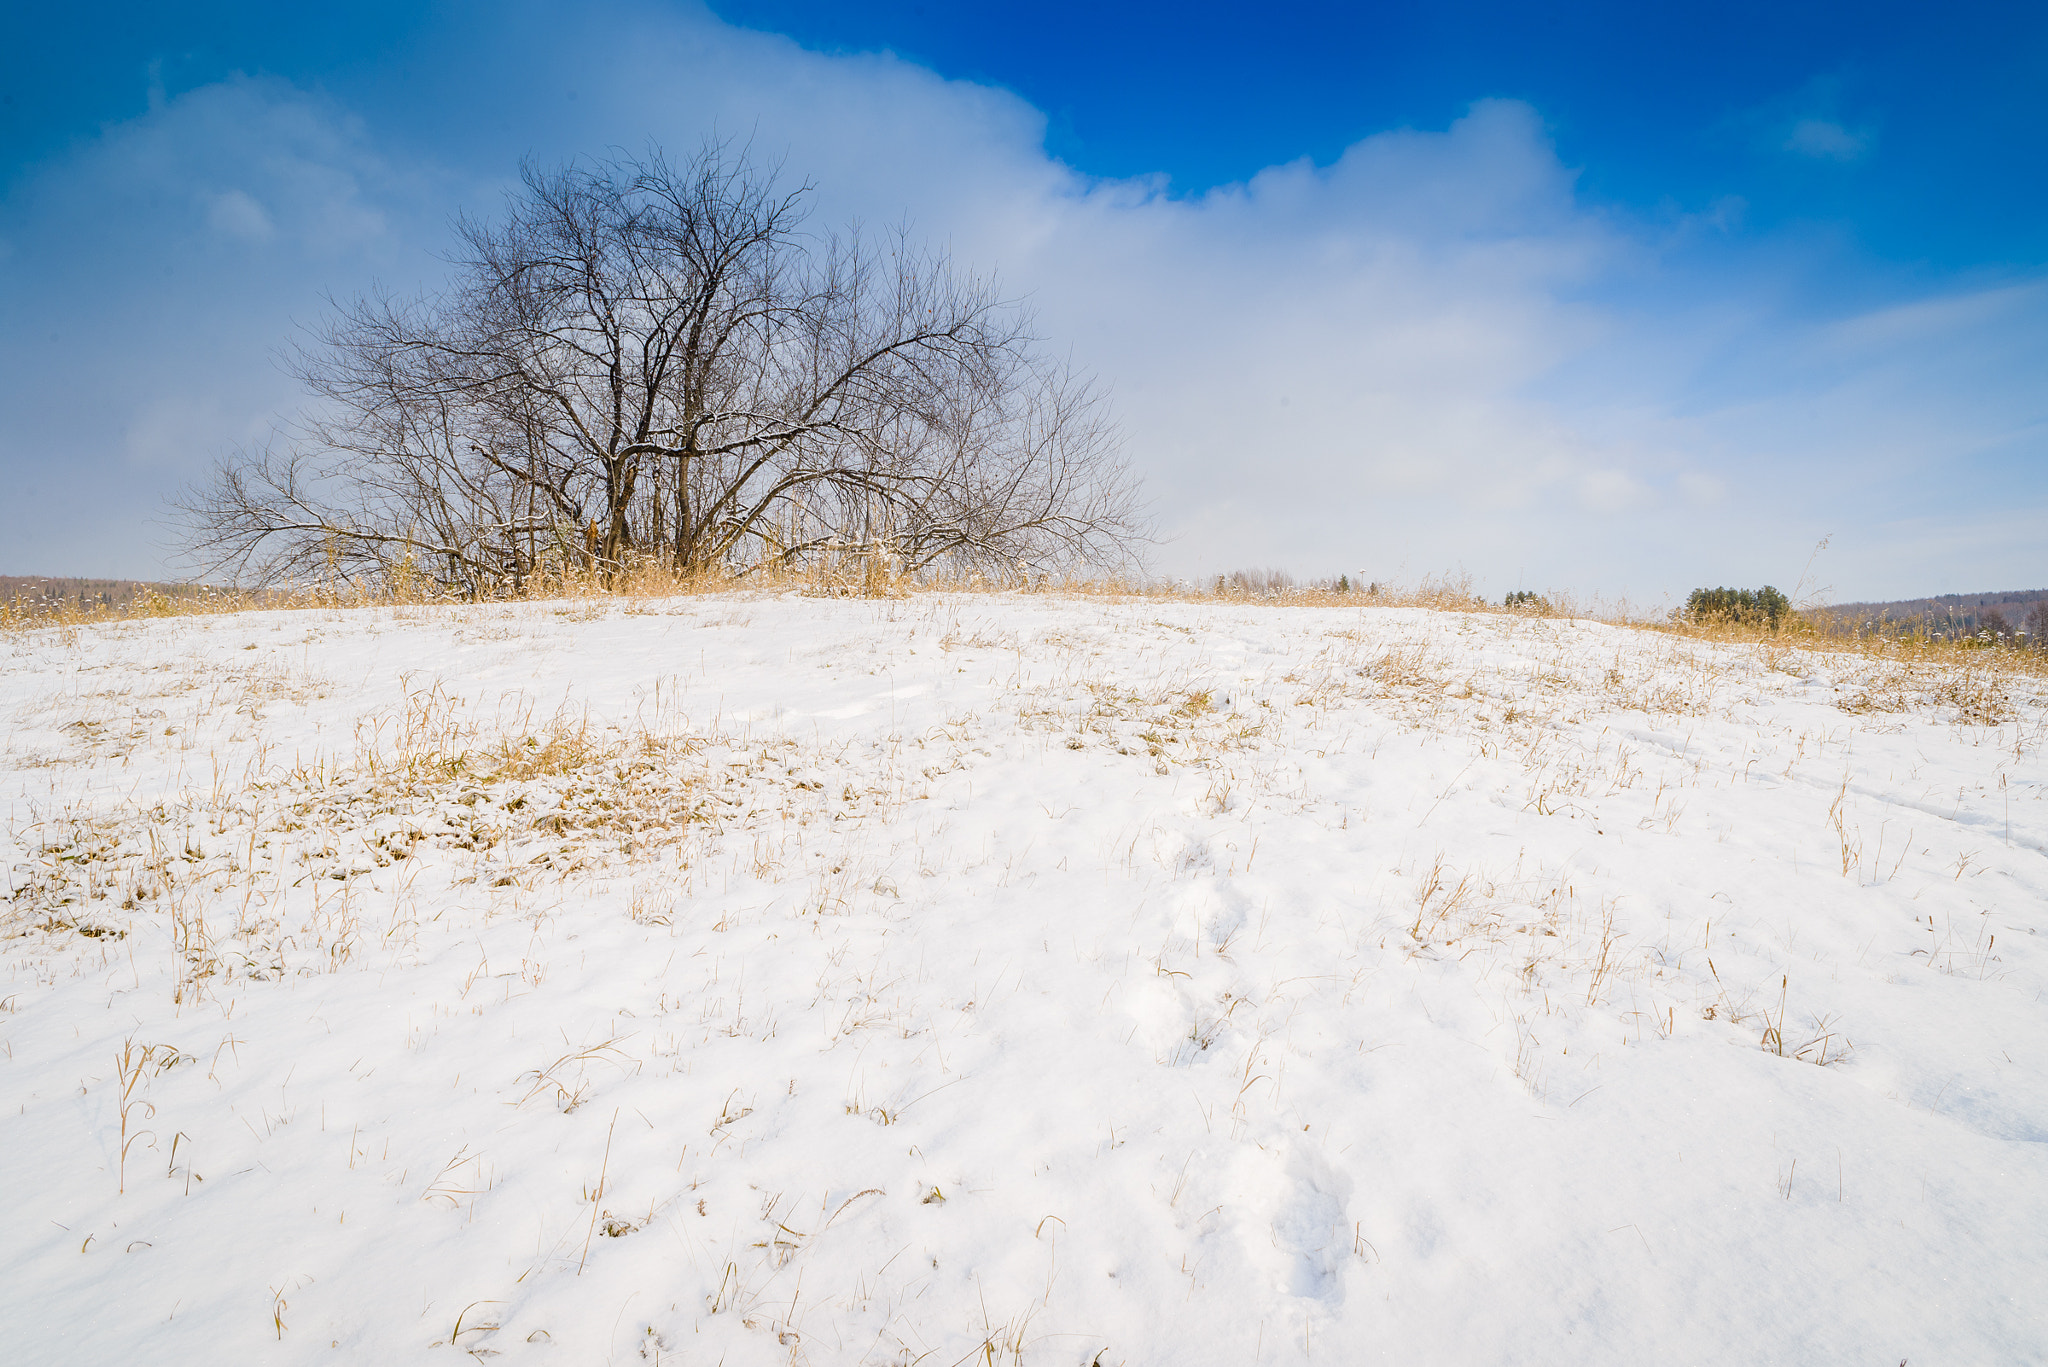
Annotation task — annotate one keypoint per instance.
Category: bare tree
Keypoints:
(644, 359)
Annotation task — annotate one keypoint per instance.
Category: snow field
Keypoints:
(1015, 978)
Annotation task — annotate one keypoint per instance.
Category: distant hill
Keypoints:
(1943, 615)
(35, 593)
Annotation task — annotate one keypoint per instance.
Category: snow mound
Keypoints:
(763, 979)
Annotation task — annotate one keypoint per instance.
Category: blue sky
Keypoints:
(1612, 298)
(1662, 107)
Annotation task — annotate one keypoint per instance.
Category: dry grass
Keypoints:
(255, 879)
(205, 600)
(1971, 682)
(1784, 648)
(533, 798)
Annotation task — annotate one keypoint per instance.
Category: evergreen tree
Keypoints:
(1761, 607)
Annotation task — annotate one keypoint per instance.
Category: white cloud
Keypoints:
(238, 215)
(1826, 140)
(179, 432)
(1960, 315)
(1403, 299)
(156, 271)
(1611, 491)
(240, 161)
(1701, 490)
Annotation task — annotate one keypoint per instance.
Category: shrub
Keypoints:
(1522, 600)
(1761, 607)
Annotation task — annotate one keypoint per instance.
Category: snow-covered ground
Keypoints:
(963, 979)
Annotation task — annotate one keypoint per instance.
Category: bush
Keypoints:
(1522, 600)
(1762, 607)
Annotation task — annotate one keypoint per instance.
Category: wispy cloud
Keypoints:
(1827, 140)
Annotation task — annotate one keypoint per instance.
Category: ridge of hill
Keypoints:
(1945, 614)
(51, 592)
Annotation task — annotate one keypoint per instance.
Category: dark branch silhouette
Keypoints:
(660, 350)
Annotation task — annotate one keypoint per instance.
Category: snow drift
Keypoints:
(771, 979)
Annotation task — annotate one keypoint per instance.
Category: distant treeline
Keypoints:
(26, 599)
(2011, 613)
(33, 593)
